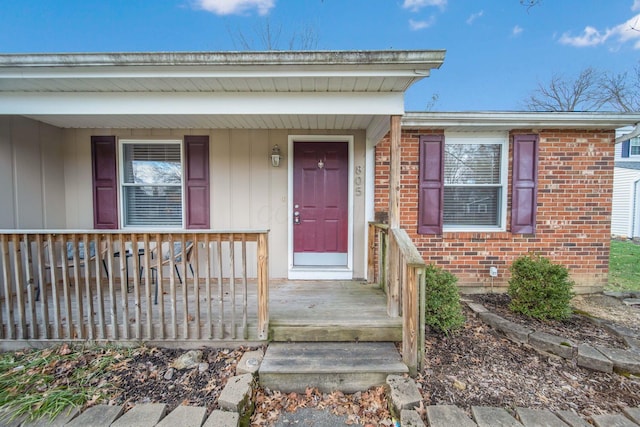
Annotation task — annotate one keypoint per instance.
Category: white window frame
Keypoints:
(122, 185)
(499, 138)
(634, 142)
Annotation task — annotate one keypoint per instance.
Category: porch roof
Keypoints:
(274, 89)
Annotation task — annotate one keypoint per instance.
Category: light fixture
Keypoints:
(320, 164)
(275, 156)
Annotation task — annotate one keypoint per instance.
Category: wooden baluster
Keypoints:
(196, 282)
(232, 283)
(29, 283)
(245, 329)
(65, 285)
(160, 288)
(55, 295)
(87, 280)
(123, 267)
(19, 287)
(220, 287)
(43, 291)
(172, 289)
(113, 308)
(8, 298)
(207, 281)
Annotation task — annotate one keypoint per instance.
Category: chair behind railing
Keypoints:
(53, 288)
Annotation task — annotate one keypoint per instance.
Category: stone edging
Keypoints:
(598, 358)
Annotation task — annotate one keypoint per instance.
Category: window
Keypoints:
(152, 182)
(474, 182)
(634, 146)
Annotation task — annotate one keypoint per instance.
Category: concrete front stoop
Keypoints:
(329, 366)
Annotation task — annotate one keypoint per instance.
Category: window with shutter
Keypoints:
(152, 182)
(475, 175)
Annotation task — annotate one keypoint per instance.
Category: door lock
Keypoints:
(296, 217)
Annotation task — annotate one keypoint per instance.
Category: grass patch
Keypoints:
(43, 383)
(624, 266)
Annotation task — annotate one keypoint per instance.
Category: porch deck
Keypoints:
(299, 311)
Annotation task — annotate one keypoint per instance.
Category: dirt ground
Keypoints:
(479, 366)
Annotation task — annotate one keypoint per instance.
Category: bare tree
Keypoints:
(591, 90)
(568, 94)
(621, 91)
(267, 36)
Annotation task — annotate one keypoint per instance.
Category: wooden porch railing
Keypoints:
(135, 286)
(396, 264)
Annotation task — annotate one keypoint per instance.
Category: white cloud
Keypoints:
(235, 7)
(517, 30)
(591, 36)
(636, 5)
(474, 16)
(420, 25)
(416, 5)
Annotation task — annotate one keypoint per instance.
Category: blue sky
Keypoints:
(497, 50)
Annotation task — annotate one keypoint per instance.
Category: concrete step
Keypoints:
(329, 366)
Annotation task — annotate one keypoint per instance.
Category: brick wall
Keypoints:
(575, 186)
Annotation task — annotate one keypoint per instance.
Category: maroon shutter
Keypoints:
(431, 195)
(105, 182)
(196, 150)
(525, 183)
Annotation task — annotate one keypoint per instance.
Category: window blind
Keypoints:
(473, 185)
(152, 184)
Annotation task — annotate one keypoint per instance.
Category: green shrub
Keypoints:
(540, 289)
(443, 311)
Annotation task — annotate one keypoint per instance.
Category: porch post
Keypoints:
(394, 174)
(263, 286)
(393, 297)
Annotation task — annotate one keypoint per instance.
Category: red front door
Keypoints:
(320, 203)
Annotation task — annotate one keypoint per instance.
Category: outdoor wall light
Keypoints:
(275, 156)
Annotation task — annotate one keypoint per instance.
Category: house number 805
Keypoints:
(358, 181)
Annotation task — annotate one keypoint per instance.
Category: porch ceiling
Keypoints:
(229, 121)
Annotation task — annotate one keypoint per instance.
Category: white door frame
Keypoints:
(319, 273)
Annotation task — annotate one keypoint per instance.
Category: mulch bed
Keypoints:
(480, 366)
(578, 328)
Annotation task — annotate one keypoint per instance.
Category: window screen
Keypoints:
(152, 184)
(472, 185)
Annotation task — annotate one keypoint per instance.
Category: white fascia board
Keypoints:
(519, 120)
(376, 103)
(201, 72)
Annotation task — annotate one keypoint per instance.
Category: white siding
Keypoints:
(622, 201)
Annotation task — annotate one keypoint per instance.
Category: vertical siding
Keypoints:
(53, 177)
(31, 172)
(622, 201)
(7, 189)
(246, 191)
(28, 173)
